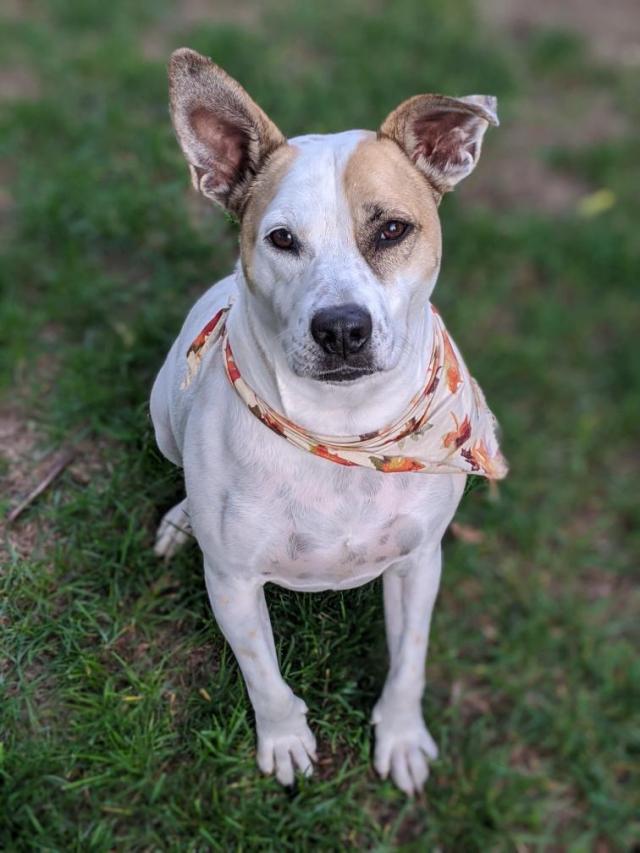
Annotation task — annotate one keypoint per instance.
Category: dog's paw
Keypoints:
(173, 532)
(286, 745)
(404, 748)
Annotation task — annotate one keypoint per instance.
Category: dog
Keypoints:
(324, 418)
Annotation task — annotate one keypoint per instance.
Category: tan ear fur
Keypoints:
(225, 136)
(442, 136)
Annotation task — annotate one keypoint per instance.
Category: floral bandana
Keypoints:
(446, 428)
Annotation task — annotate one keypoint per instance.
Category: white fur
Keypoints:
(264, 511)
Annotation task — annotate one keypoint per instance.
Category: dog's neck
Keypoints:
(352, 408)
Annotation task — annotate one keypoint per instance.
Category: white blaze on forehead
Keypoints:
(310, 199)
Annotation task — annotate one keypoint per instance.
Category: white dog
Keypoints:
(324, 419)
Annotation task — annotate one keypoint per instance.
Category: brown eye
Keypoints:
(392, 230)
(282, 239)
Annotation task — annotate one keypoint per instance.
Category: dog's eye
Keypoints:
(281, 238)
(392, 231)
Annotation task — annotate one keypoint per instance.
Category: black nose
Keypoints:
(342, 329)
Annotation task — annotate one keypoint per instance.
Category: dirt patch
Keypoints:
(612, 30)
(21, 451)
(25, 458)
(18, 84)
(21, 10)
(158, 42)
(24, 450)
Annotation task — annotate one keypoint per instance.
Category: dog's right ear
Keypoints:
(442, 136)
(225, 136)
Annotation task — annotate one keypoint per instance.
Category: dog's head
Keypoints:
(340, 236)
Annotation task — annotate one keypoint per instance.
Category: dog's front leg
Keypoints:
(284, 739)
(403, 744)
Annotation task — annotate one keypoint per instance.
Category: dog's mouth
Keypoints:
(334, 369)
(346, 373)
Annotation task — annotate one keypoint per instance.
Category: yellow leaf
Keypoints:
(596, 203)
(125, 333)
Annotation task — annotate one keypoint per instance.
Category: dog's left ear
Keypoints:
(442, 136)
(225, 136)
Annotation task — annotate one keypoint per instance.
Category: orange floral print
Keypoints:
(200, 341)
(232, 367)
(396, 464)
(486, 459)
(458, 436)
(480, 458)
(321, 450)
(267, 419)
(451, 366)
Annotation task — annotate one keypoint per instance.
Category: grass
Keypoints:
(124, 723)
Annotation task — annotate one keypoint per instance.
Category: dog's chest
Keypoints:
(318, 525)
(265, 509)
(340, 532)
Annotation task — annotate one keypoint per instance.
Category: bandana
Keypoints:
(447, 426)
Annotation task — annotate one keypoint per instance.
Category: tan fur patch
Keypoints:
(382, 185)
(261, 193)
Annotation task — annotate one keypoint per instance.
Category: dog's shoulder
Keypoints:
(207, 306)
(170, 401)
(212, 300)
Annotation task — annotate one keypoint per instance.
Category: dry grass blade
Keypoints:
(61, 461)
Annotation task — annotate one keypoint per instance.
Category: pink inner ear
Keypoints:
(445, 138)
(226, 144)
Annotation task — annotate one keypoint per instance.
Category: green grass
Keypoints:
(124, 721)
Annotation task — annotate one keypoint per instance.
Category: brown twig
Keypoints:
(466, 533)
(59, 463)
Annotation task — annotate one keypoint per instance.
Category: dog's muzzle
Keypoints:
(343, 333)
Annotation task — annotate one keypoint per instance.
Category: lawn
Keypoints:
(124, 723)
